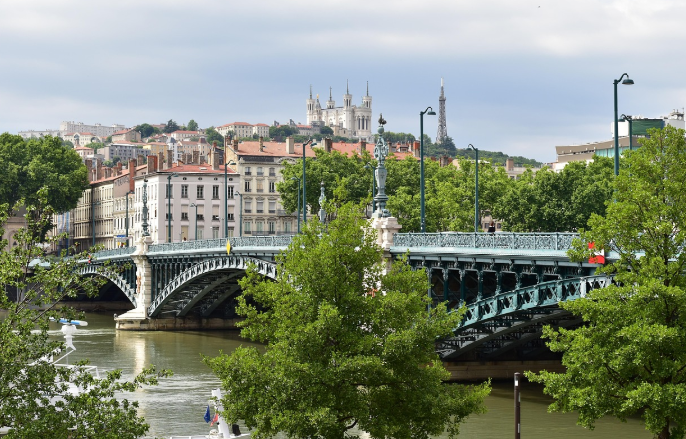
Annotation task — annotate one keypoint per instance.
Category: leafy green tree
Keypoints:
(171, 126)
(346, 346)
(629, 359)
(192, 125)
(68, 144)
(36, 400)
(28, 165)
(557, 201)
(96, 146)
(146, 130)
(213, 136)
(282, 131)
(326, 131)
(445, 147)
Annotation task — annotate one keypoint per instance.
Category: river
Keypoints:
(177, 405)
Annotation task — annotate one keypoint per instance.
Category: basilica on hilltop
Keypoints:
(348, 121)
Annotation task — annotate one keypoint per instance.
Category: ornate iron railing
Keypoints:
(124, 251)
(220, 244)
(518, 241)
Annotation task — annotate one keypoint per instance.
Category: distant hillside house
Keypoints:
(181, 134)
(237, 130)
(129, 135)
(81, 139)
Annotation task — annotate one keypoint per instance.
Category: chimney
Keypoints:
(509, 164)
(108, 172)
(152, 164)
(226, 143)
(215, 160)
(119, 168)
(89, 166)
(328, 143)
(160, 160)
(261, 143)
(132, 173)
(235, 144)
(416, 148)
(290, 145)
(363, 146)
(196, 157)
(170, 153)
(139, 160)
(98, 171)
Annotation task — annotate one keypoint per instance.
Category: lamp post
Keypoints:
(240, 214)
(195, 237)
(169, 226)
(93, 204)
(422, 211)
(477, 220)
(309, 142)
(127, 217)
(373, 168)
(298, 180)
(626, 81)
(629, 119)
(226, 199)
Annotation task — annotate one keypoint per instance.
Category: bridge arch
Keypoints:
(116, 278)
(201, 269)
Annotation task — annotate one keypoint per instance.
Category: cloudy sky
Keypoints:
(520, 76)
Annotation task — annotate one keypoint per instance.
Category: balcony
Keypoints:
(272, 174)
(260, 190)
(259, 211)
(215, 217)
(200, 217)
(272, 211)
(229, 217)
(260, 173)
(248, 211)
(184, 216)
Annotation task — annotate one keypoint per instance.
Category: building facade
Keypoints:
(348, 120)
(99, 130)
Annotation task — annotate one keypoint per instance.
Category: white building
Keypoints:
(348, 120)
(98, 130)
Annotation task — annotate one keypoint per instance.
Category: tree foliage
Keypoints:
(36, 400)
(282, 131)
(551, 201)
(146, 130)
(28, 165)
(347, 346)
(211, 135)
(630, 357)
(192, 125)
(171, 126)
(326, 131)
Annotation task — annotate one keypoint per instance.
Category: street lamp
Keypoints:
(226, 199)
(240, 214)
(298, 180)
(629, 119)
(309, 142)
(373, 168)
(477, 219)
(430, 112)
(195, 237)
(169, 229)
(626, 81)
(127, 217)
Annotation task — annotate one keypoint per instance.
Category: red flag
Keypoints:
(215, 419)
(597, 258)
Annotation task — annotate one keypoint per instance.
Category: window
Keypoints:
(247, 171)
(229, 192)
(215, 232)
(272, 187)
(246, 227)
(272, 207)
(230, 232)
(201, 192)
(272, 227)
(272, 172)
(247, 186)
(229, 216)
(287, 227)
(259, 170)
(215, 192)
(184, 191)
(260, 186)
(248, 206)
(259, 227)
(184, 215)
(168, 217)
(260, 207)
(200, 234)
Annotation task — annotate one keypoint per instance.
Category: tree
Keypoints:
(282, 131)
(68, 144)
(346, 345)
(28, 165)
(146, 130)
(171, 126)
(192, 125)
(445, 147)
(35, 397)
(630, 356)
(326, 131)
(211, 135)
(96, 146)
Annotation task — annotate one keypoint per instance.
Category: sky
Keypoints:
(520, 76)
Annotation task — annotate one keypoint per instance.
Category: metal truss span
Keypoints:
(115, 278)
(216, 271)
(499, 324)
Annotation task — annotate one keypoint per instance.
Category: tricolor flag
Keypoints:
(207, 414)
(215, 419)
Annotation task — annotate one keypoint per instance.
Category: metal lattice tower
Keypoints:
(442, 129)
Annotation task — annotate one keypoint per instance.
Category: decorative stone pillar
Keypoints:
(385, 228)
(143, 284)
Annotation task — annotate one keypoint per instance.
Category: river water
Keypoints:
(177, 405)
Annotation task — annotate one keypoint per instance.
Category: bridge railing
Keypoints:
(123, 251)
(220, 244)
(517, 241)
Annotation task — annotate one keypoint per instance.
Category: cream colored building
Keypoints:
(348, 120)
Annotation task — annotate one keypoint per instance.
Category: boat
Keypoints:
(222, 429)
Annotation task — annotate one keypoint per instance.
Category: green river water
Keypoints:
(177, 405)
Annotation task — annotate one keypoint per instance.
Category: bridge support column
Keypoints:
(138, 315)
(385, 228)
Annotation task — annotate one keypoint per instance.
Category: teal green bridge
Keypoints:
(510, 283)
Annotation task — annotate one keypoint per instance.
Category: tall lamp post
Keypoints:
(477, 219)
(127, 217)
(629, 119)
(226, 199)
(626, 81)
(240, 214)
(422, 213)
(195, 237)
(298, 180)
(309, 142)
(169, 226)
(373, 168)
